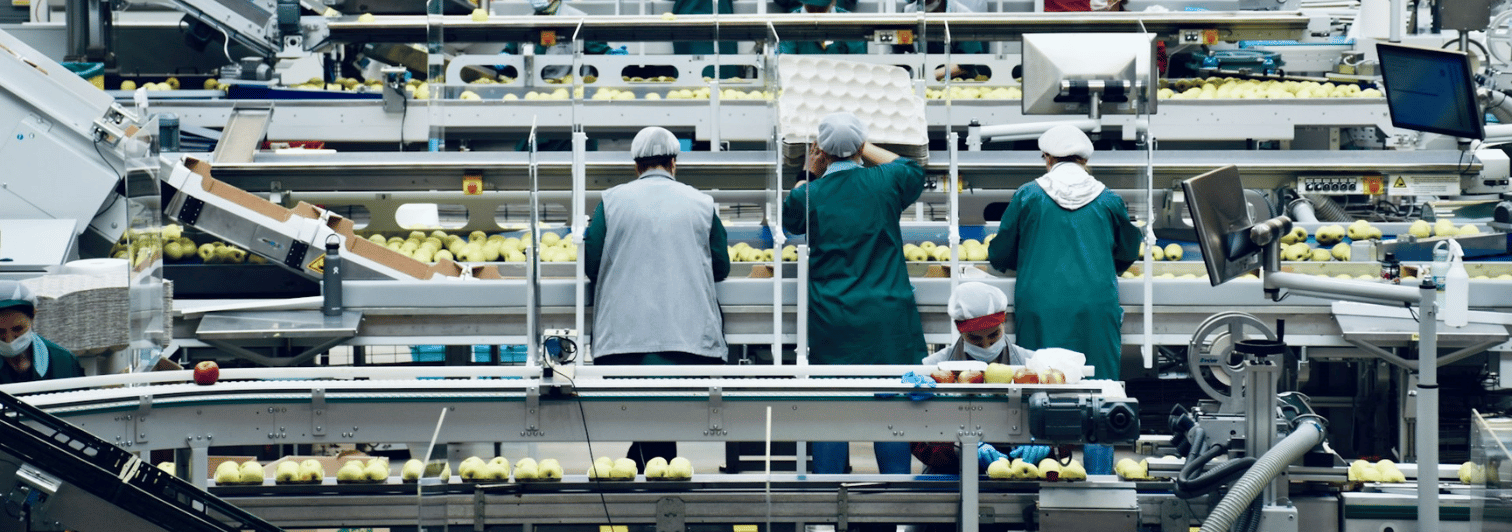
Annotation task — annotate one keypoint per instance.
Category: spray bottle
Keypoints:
(1456, 310)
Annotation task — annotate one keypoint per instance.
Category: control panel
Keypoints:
(1339, 185)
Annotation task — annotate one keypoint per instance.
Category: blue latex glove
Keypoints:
(919, 381)
(987, 454)
(1030, 453)
(619, 51)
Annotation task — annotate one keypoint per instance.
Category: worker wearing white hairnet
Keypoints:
(28, 356)
(979, 311)
(861, 305)
(1068, 237)
(654, 249)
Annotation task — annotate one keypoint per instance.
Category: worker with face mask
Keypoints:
(563, 46)
(28, 356)
(861, 304)
(979, 311)
(654, 249)
(1068, 238)
(821, 47)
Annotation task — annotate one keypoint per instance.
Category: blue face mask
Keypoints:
(18, 346)
(985, 354)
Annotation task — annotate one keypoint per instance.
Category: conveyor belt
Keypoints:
(1240, 25)
(80, 459)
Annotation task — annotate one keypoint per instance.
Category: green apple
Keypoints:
(287, 471)
(1173, 251)
(623, 469)
(549, 469)
(228, 472)
(656, 467)
(412, 470)
(1340, 251)
(1420, 229)
(251, 472)
(680, 468)
(1000, 469)
(526, 469)
(376, 471)
(352, 471)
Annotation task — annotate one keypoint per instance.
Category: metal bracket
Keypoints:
(1173, 516)
(532, 411)
(716, 413)
(189, 213)
(671, 515)
(139, 421)
(986, 515)
(317, 412)
(296, 256)
(842, 508)
(480, 510)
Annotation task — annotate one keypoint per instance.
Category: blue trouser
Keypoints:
(893, 458)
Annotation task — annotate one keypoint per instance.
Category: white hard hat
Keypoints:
(971, 302)
(654, 142)
(1065, 141)
(841, 134)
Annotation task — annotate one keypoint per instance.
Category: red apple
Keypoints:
(1025, 376)
(943, 375)
(971, 376)
(206, 373)
(1053, 376)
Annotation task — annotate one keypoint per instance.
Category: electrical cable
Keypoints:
(226, 44)
(588, 438)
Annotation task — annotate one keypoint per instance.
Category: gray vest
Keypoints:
(655, 289)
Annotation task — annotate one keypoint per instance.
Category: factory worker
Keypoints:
(937, 45)
(821, 47)
(707, 7)
(1069, 238)
(563, 46)
(1061, 6)
(861, 305)
(28, 356)
(979, 311)
(654, 250)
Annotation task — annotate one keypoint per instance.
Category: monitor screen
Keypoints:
(1222, 219)
(1431, 90)
(1051, 58)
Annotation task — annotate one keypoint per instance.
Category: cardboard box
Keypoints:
(236, 195)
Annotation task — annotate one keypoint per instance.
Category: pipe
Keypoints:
(1307, 434)
(1033, 130)
(1397, 10)
(1301, 210)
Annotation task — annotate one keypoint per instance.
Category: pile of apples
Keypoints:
(306, 472)
(1234, 88)
(971, 250)
(245, 473)
(477, 246)
(1048, 469)
(375, 471)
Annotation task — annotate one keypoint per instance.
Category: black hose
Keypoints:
(1192, 482)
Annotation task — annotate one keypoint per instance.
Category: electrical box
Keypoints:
(1493, 178)
(1335, 185)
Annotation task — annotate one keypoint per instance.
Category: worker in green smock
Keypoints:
(935, 44)
(27, 355)
(861, 304)
(1069, 238)
(821, 47)
(706, 7)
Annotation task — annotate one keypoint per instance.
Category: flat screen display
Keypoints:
(1431, 90)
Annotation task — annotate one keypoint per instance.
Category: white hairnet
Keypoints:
(654, 142)
(841, 134)
(974, 300)
(13, 294)
(1065, 141)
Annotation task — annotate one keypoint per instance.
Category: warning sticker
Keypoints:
(1424, 185)
(318, 265)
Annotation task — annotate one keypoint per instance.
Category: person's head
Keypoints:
(17, 309)
(1065, 143)
(979, 311)
(818, 6)
(655, 147)
(545, 7)
(841, 136)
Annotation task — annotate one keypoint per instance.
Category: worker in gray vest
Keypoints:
(655, 248)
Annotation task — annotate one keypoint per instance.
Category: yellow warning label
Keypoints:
(615, 528)
(1399, 183)
(318, 264)
(745, 528)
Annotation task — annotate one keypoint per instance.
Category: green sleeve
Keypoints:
(1126, 239)
(512, 48)
(908, 177)
(595, 47)
(1002, 253)
(593, 243)
(969, 47)
(719, 249)
(793, 209)
(787, 47)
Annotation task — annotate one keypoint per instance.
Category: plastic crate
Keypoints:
(94, 72)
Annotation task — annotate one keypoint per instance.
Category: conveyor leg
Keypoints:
(969, 499)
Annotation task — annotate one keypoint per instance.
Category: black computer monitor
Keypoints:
(1431, 90)
(1222, 219)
